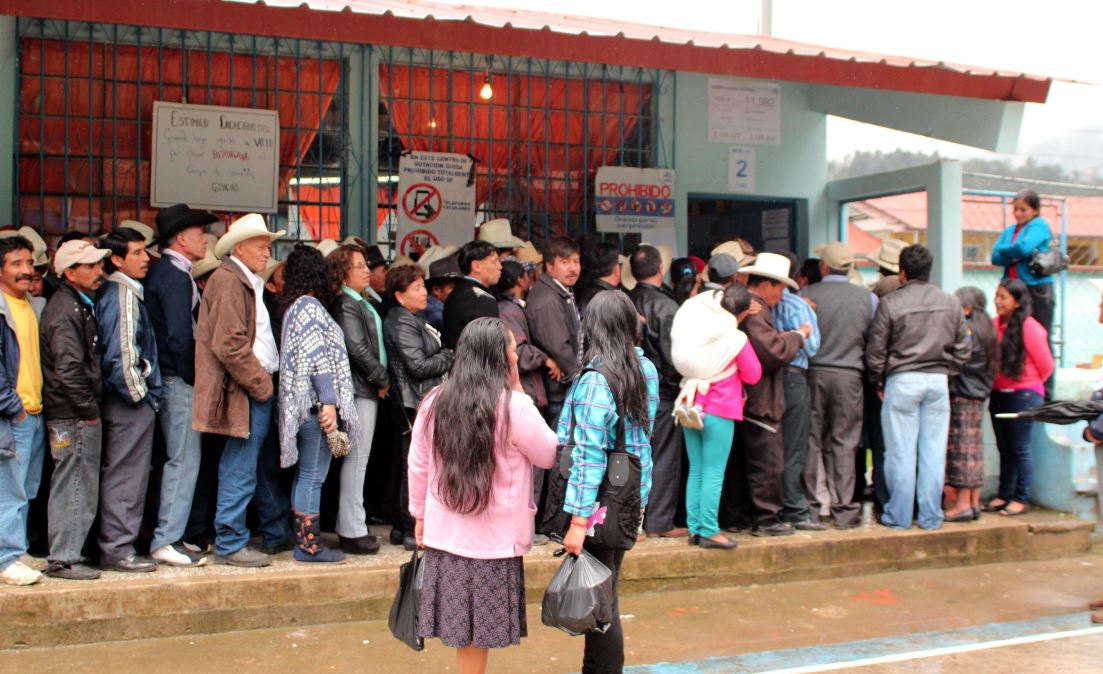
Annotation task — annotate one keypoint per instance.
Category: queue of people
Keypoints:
(746, 387)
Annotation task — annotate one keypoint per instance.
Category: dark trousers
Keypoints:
(540, 475)
(752, 482)
(876, 437)
(1013, 441)
(201, 520)
(837, 401)
(124, 476)
(604, 653)
(795, 427)
(1042, 306)
(403, 520)
(271, 502)
(667, 456)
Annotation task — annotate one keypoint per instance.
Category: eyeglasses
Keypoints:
(358, 267)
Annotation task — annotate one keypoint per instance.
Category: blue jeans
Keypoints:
(20, 476)
(182, 465)
(916, 422)
(314, 456)
(237, 480)
(1013, 441)
(708, 451)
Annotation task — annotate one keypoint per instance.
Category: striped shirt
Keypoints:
(792, 313)
(591, 400)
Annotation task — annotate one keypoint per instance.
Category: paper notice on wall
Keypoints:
(436, 201)
(744, 112)
(741, 169)
(216, 158)
(630, 199)
(775, 230)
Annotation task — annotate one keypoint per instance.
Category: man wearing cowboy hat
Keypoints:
(172, 299)
(917, 339)
(444, 274)
(234, 343)
(887, 259)
(835, 378)
(755, 498)
(499, 234)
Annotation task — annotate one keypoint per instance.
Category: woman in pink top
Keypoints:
(708, 447)
(475, 441)
(1025, 362)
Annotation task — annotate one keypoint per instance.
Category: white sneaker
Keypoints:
(170, 557)
(19, 573)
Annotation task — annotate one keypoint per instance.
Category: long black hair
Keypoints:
(609, 327)
(306, 274)
(1012, 348)
(683, 278)
(465, 416)
(981, 323)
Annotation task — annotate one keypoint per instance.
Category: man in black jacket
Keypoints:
(657, 307)
(172, 300)
(602, 266)
(472, 297)
(71, 388)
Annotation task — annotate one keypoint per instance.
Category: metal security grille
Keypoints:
(85, 97)
(537, 129)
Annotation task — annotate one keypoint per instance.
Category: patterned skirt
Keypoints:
(965, 449)
(472, 602)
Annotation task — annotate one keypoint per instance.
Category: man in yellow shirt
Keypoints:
(22, 433)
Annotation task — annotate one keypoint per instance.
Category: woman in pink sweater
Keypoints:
(709, 446)
(475, 441)
(1025, 362)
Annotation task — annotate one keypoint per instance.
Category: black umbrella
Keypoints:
(1059, 411)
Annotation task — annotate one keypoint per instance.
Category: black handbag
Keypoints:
(1048, 262)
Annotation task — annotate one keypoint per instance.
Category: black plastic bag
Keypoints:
(403, 617)
(579, 598)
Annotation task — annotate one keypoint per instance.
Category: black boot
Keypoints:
(364, 545)
(308, 541)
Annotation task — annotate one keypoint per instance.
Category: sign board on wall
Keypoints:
(775, 230)
(744, 112)
(436, 201)
(741, 169)
(215, 158)
(628, 199)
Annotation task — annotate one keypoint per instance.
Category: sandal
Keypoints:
(1015, 513)
(992, 506)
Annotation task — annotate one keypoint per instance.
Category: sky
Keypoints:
(1057, 38)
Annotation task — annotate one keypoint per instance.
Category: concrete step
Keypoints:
(173, 602)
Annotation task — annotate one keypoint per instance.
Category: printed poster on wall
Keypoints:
(436, 201)
(628, 199)
(741, 169)
(775, 230)
(215, 158)
(744, 112)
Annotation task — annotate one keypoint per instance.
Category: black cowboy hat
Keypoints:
(175, 219)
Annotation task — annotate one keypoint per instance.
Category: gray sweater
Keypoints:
(844, 312)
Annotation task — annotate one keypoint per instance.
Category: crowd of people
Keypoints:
(745, 390)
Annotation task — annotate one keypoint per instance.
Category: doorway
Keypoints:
(767, 224)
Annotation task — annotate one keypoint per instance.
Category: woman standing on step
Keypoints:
(316, 393)
(618, 389)
(475, 441)
(1025, 364)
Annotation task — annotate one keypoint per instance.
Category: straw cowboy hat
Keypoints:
(270, 268)
(402, 261)
(527, 254)
(626, 278)
(735, 250)
(434, 253)
(771, 266)
(837, 255)
(887, 255)
(244, 228)
(206, 265)
(326, 246)
(37, 243)
(498, 233)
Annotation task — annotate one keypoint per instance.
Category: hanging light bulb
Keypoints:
(487, 92)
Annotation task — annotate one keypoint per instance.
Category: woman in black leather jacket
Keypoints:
(417, 362)
(363, 329)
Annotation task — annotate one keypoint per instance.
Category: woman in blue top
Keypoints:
(1017, 244)
(627, 384)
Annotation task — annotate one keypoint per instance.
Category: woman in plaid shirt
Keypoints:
(623, 382)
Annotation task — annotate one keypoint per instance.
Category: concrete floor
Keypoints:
(775, 624)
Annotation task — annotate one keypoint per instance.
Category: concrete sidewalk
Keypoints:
(213, 599)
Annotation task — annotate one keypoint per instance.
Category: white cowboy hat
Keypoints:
(326, 246)
(402, 260)
(270, 268)
(887, 255)
(205, 265)
(498, 233)
(735, 250)
(142, 228)
(244, 228)
(626, 278)
(771, 266)
(434, 253)
(37, 243)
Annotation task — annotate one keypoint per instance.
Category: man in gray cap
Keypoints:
(835, 378)
(722, 271)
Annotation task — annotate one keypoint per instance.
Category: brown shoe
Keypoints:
(1096, 605)
(1097, 617)
(673, 533)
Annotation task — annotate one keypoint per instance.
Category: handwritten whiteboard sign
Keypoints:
(215, 158)
(744, 112)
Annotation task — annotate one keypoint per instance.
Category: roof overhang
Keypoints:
(414, 23)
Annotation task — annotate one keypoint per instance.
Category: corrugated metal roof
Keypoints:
(498, 17)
